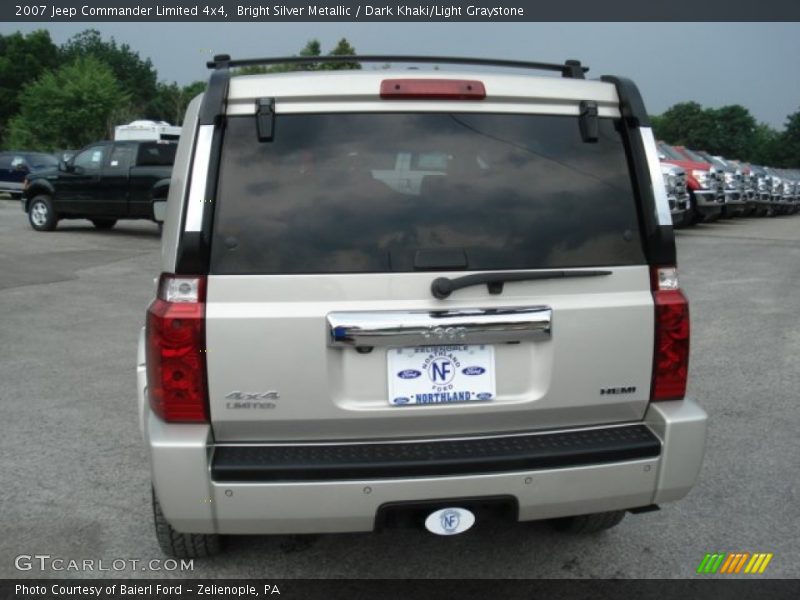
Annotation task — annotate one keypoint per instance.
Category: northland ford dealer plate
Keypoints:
(441, 374)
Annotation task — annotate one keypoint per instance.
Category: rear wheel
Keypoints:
(104, 223)
(182, 545)
(589, 523)
(693, 217)
(41, 214)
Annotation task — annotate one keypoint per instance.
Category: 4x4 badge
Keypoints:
(256, 396)
(261, 400)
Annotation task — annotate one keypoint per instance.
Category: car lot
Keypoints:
(76, 478)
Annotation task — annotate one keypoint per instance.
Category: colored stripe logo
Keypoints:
(729, 563)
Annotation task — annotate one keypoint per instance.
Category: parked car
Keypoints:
(790, 190)
(763, 190)
(677, 194)
(706, 184)
(103, 182)
(778, 201)
(385, 296)
(16, 165)
(735, 203)
(749, 185)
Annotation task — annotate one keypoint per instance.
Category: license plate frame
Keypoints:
(433, 375)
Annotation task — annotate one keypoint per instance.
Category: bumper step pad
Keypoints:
(386, 460)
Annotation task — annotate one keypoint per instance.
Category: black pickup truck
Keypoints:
(103, 182)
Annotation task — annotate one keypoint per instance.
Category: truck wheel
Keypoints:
(589, 523)
(694, 217)
(104, 223)
(41, 214)
(182, 545)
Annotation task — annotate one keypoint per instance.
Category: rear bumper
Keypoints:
(206, 489)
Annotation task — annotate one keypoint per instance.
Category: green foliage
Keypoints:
(730, 131)
(686, 124)
(171, 101)
(733, 131)
(23, 58)
(765, 146)
(312, 48)
(68, 108)
(343, 48)
(136, 77)
(787, 153)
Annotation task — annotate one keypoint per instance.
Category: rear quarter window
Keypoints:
(361, 193)
(154, 154)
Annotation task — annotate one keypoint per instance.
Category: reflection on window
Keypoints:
(367, 192)
(90, 159)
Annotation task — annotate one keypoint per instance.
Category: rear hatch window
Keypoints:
(388, 192)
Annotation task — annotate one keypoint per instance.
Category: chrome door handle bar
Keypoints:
(427, 328)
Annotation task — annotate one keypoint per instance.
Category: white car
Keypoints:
(434, 295)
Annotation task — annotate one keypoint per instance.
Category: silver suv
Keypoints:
(427, 295)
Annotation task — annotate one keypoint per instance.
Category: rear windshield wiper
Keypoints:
(442, 287)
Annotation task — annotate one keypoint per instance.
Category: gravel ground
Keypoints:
(75, 473)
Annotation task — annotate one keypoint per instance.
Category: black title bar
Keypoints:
(700, 588)
(81, 11)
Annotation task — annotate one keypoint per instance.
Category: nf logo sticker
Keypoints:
(441, 370)
(449, 521)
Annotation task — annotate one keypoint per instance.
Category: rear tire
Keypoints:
(693, 217)
(41, 214)
(182, 545)
(583, 524)
(104, 223)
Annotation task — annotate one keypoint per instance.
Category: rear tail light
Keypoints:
(176, 365)
(671, 355)
(432, 89)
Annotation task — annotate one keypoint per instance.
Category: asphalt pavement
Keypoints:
(75, 476)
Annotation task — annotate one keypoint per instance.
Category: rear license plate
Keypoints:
(441, 374)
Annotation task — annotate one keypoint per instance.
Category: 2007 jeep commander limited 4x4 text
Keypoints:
(434, 295)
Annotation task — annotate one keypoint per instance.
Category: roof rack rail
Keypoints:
(570, 68)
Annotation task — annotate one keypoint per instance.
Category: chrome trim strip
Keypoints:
(427, 328)
(199, 175)
(656, 177)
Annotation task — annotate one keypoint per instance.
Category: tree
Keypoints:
(22, 60)
(136, 77)
(730, 131)
(765, 146)
(788, 154)
(171, 101)
(686, 124)
(312, 48)
(343, 48)
(68, 108)
(733, 131)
